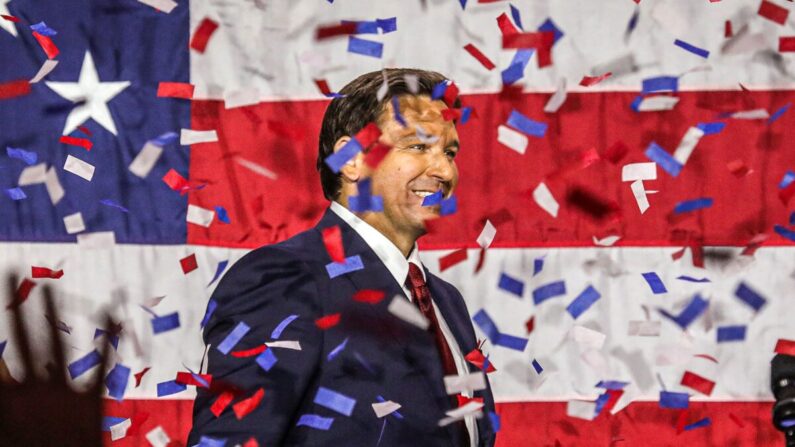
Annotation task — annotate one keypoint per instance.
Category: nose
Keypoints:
(441, 168)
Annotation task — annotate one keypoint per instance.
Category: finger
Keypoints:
(20, 334)
(56, 346)
(104, 355)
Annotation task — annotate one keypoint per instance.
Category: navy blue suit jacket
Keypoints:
(382, 355)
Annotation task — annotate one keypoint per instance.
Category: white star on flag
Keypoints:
(94, 95)
(7, 24)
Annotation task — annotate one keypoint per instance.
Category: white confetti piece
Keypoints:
(79, 167)
(152, 302)
(512, 138)
(657, 103)
(158, 437)
(54, 188)
(190, 136)
(254, 167)
(543, 197)
(644, 328)
(200, 216)
(469, 409)
(640, 195)
(688, 144)
(487, 235)
(33, 175)
(382, 409)
(45, 69)
(557, 99)
(403, 309)
(587, 338)
(639, 171)
(145, 160)
(163, 5)
(285, 344)
(74, 223)
(581, 409)
(755, 114)
(119, 430)
(459, 384)
(607, 241)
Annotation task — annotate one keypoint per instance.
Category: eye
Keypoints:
(451, 153)
(418, 146)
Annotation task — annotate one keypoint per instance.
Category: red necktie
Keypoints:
(421, 297)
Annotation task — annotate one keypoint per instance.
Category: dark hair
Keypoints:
(360, 106)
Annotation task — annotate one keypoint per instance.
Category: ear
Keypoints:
(352, 170)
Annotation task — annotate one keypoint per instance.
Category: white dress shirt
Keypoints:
(398, 266)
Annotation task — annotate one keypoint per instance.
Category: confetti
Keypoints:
(79, 167)
(433, 199)
(182, 90)
(116, 381)
(557, 99)
(588, 81)
(74, 141)
(750, 297)
(471, 382)
(189, 136)
(170, 387)
(693, 310)
(44, 272)
(386, 408)
(188, 263)
(581, 409)
(16, 193)
(211, 306)
(335, 401)
(202, 34)
(163, 5)
(266, 360)
(246, 406)
(338, 159)
(13, 89)
(158, 437)
(351, 264)
(477, 54)
(487, 235)
(74, 223)
(784, 346)
(315, 421)
(369, 296)
(83, 364)
(277, 331)
(140, 375)
(698, 383)
(28, 157)
(344, 29)
(512, 138)
(145, 160)
(537, 366)
(165, 323)
(773, 12)
(692, 48)
(705, 422)
(543, 197)
(658, 155)
(673, 400)
(583, 302)
(233, 337)
(511, 285)
(403, 309)
(365, 47)
(328, 321)
(47, 45)
(526, 125)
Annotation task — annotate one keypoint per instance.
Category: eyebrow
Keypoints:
(413, 136)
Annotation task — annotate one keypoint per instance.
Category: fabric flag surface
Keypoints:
(623, 214)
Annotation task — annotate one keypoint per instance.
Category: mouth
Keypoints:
(422, 193)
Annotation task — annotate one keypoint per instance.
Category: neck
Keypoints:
(404, 241)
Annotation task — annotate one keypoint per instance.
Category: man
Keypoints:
(356, 348)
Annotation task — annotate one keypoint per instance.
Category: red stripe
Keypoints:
(540, 423)
(494, 177)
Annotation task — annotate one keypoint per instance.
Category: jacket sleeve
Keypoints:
(262, 289)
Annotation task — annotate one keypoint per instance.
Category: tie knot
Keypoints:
(415, 279)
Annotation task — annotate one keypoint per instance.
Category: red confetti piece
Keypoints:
(368, 135)
(249, 352)
(681, 421)
(188, 264)
(251, 442)
(332, 239)
(698, 383)
(221, 403)
(14, 88)
(74, 141)
(786, 347)
(786, 44)
(23, 291)
(174, 180)
(85, 130)
(736, 420)
(140, 375)
(47, 45)
(588, 81)
(616, 152)
(773, 12)
(326, 32)
(136, 422)
(786, 194)
(451, 114)
(328, 321)
(530, 324)
(727, 29)
(707, 357)
(463, 400)
(477, 358)
(322, 85)
(451, 259)
(450, 95)
(44, 272)
(542, 41)
(186, 378)
(369, 296)
(507, 27)
(246, 406)
(376, 154)
(738, 168)
(202, 35)
(10, 18)
(481, 260)
(754, 244)
(615, 395)
(477, 54)
(182, 90)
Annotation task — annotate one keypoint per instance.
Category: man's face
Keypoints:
(421, 162)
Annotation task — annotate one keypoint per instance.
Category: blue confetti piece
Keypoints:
(395, 413)
(21, 154)
(170, 387)
(658, 155)
(788, 178)
(511, 285)
(463, 4)
(526, 125)
(660, 84)
(365, 47)
(749, 296)
(537, 367)
(550, 26)
(338, 159)
(335, 401)
(777, 114)
(314, 421)
(731, 333)
(792, 218)
(277, 332)
(83, 364)
(211, 306)
(511, 342)
(711, 128)
(43, 29)
(433, 199)
(337, 350)
(3, 347)
(635, 104)
(784, 232)
(486, 325)
(396, 110)
(583, 302)
(165, 323)
(112, 204)
(494, 418)
(600, 402)
(612, 384)
(110, 421)
(387, 25)
(233, 337)
(114, 339)
(691, 279)
(221, 214)
(656, 284)
(633, 22)
(694, 309)
(449, 206)
(363, 27)
(219, 269)
(517, 17)
(116, 381)
(351, 264)
(693, 205)
(538, 265)
(439, 89)
(692, 48)
(466, 112)
(698, 424)
(206, 441)
(372, 203)
(267, 359)
(16, 193)
(673, 400)
(515, 70)
(548, 291)
(165, 139)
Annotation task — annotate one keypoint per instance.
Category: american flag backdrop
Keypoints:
(623, 212)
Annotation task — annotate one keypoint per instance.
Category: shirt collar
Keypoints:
(387, 252)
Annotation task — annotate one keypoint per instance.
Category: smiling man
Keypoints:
(356, 352)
